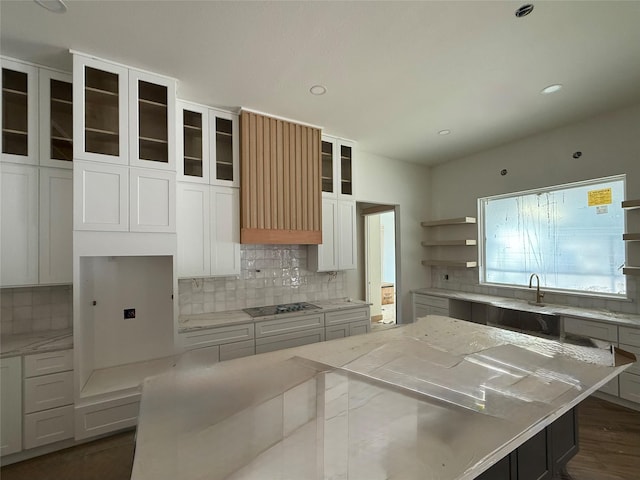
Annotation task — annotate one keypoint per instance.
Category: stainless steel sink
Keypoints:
(527, 322)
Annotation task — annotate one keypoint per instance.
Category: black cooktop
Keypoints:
(276, 309)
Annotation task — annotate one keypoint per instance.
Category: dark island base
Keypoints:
(542, 457)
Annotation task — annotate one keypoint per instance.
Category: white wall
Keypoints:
(610, 144)
(388, 181)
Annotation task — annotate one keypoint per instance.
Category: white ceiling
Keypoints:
(396, 72)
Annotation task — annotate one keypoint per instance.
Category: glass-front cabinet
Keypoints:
(56, 119)
(224, 148)
(346, 177)
(328, 174)
(337, 167)
(100, 96)
(19, 112)
(152, 111)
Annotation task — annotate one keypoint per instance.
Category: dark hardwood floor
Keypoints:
(609, 450)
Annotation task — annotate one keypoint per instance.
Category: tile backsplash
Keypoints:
(35, 309)
(466, 280)
(270, 275)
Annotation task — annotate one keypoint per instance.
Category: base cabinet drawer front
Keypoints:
(611, 387)
(358, 328)
(46, 427)
(336, 331)
(48, 391)
(46, 363)
(630, 336)
(346, 316)
(218, 336)
(106, 417)
(630, 387)
(237, 350)
(438, 302)
(288, 340)
(588, 328)
(438, 311)
(288, 324)
(10, 405)
(420, 311)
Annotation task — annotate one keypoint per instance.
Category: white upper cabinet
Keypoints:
(56, 226)
(193, 142)
(338, 250)
(152, 108)
(100, 111)
(19, 225)
(208, 145)
(19, 112)
(348, 257)
(152, 201)
(56, 119)
(337, 167)
(225, 231)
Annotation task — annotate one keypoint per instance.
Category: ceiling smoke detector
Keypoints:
(318, 90)
(524, 10)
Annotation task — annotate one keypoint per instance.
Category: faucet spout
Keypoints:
(539, 294)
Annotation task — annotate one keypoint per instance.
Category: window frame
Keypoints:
(552, 188)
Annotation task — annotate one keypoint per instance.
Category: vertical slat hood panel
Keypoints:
(280, 181)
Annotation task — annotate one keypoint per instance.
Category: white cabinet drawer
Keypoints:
(587, 328)
(346, 316)
(218, 336)
(438, 311)
(288, 340)
(630, 387)
(49, 362)
(358, 328)
(630, 336)
(438, 302)
(230, 351)
(48, 391)
(336, 331)
(105, 417)
(47, 427)
(288, 324)
(610, 387)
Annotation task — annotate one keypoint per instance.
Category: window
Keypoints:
(570, 235)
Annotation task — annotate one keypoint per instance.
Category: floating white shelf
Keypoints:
(449, 243)
(631, 204)
(449, 221)
(631, 271)
(450, 263)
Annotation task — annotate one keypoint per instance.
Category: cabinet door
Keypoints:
(358, 328)
(534, 458)
(224, 149)
(194, 230)
(225, 231)
(56, 119)
(11, 400)
(101, 200)
(345, 151)
(193, 142)
(347, 235)
(336, 331)
(20, 112)
(19, 224)
(49, 426)
(325, 255)
(101, 124)
(329, 167)
(152, 108)
(152, 200)
(56, 225)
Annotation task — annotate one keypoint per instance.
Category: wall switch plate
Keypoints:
(129, 313)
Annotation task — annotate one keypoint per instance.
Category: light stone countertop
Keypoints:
(13, 345)
(625, 319)
(203, 321)
(440, 398)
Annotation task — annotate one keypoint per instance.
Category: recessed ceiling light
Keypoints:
(318, 90)
(551, 89)
(444, 132)
(56, 6)
(524, 10)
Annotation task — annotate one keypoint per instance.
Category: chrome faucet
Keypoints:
(539, 294)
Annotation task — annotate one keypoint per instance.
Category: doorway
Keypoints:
(380, 263)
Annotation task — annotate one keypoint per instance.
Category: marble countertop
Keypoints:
(619, 318)
(202, 321)
(439, 398)
(35, 342)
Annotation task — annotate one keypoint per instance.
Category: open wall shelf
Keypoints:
(450, 221)
(460, 240)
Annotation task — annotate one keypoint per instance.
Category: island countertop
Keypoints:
(440, 398)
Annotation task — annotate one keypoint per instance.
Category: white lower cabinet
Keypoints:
(630, 387)
(289, 340)
(348, 322)
(106, 416)
(19, 225)
(424, 305)
(49, 426)
(208, 229)
(11, 401)
(338, 250)
(228, 334)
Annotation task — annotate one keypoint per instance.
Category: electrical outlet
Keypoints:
(445, 276)
(129, 313)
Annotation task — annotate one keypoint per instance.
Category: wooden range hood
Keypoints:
(281, 197)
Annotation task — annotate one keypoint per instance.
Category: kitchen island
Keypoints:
(438, 399)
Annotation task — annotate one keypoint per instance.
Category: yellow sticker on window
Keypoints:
(599, 197)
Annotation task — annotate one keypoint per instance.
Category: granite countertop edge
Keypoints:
(618, 318)
(204, 321)
(15, 345)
